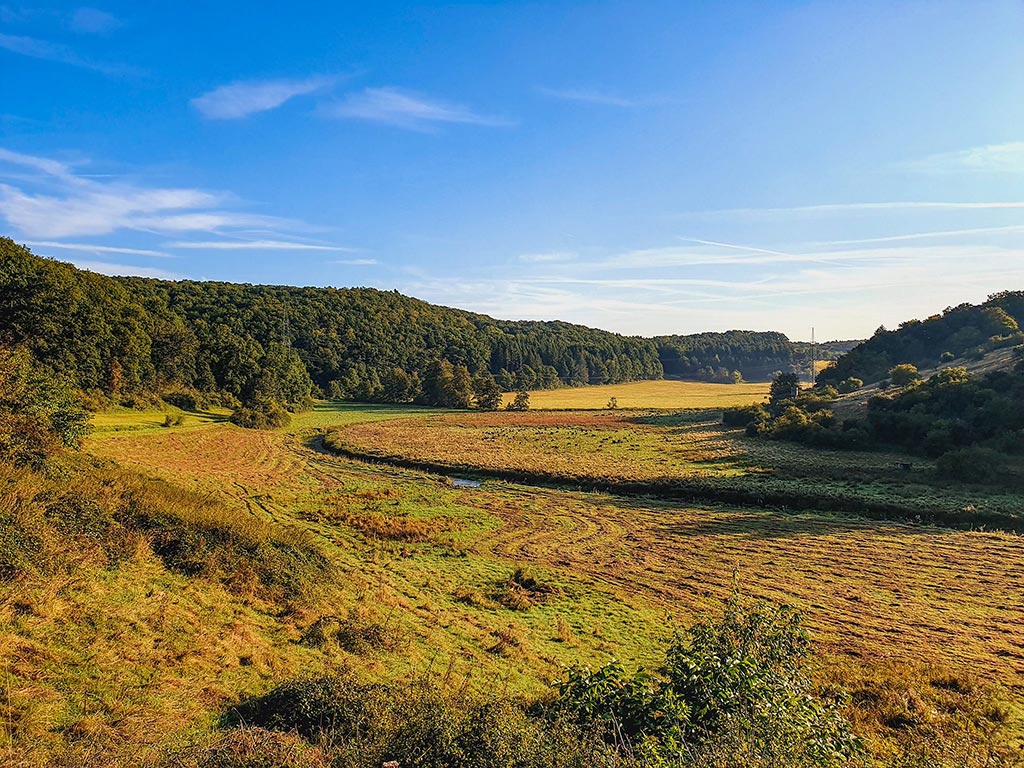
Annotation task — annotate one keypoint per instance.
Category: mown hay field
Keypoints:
(946, 595)
(904, 616)
(664, 394)
(690, 455)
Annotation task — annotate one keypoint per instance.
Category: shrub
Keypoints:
(265, 415)
(732, 688)
(975, 464)
(174, 420)
(903, 375)
(741, 416)
(852, 384)
(365, 725)
(523, 589)
(186, 399)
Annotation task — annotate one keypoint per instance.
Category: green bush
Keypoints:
(972, 465)
(852, 384)
(265, 415)
(741, 416)
(734, 688)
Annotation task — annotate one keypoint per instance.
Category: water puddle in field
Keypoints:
(461, 482)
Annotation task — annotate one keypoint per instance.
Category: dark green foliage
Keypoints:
(418, 724)
(521, 402)
(262, 415)
(716, 356)
(852, 384)
(975, 464)
(39, 411)
(736, 684)
(742, 415)
(125, 335)
(785, 386)
(960, 331)
(486, 392)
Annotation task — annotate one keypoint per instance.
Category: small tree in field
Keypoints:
(613, 404)
(521, 402)
(786, 386)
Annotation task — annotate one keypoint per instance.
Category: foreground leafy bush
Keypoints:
(732, 692)
(735, 687)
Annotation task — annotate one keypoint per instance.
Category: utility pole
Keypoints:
(814, 360)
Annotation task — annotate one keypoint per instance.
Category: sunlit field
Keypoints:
(649, 394)
(953, 597)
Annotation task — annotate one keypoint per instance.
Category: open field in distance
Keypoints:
(662, 394)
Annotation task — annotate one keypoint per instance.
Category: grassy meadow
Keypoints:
(662, 394)
(916, 622)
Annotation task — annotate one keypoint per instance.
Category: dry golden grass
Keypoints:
(610, 445)
(665, 394)
(881, 599)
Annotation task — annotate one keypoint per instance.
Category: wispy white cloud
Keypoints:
(547, 257)
(108, 268)
(91, 248)
(91, 21)
(1010, 229)
(255, 245)
(843, 208)
(393, 106)
(47, 51)
(843, 300)
(65, 204)
(244, 98)
(355, 262)
(43, 164)
(588, 96)
(990, 158)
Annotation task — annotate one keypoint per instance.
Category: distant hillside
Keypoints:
(123, 335)
(964, 331)
(715, 356)
(756, 355)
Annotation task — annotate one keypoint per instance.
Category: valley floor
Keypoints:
(893, 606)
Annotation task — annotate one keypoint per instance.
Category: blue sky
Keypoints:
(646, 167)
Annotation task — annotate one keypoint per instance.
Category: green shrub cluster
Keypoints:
(732, 692)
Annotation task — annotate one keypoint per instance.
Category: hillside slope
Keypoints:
(964, 331)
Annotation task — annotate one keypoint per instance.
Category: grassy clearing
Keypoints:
(429, 571)
(663, 394)
(687, 455)
(123, 420)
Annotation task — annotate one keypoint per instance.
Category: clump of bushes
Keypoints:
(186, 399)
(732, 691)
(265, 415)
(100, 513)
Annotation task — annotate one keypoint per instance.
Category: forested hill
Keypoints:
(718, 356)
(117, 335)
(964, 331)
